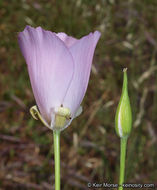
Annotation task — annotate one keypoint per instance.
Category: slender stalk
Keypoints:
(123, 144)
(57, 159)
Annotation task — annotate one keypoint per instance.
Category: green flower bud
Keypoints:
(123, 119)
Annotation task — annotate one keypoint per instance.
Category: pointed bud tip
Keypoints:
(125, 70)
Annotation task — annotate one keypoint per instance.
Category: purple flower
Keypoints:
(59, 69)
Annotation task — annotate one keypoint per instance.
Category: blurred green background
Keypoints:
(89, 147)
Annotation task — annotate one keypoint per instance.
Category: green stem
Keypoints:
(123, 144)
(57, 159)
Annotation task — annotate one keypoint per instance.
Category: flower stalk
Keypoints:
(56, 135)
(123, 146)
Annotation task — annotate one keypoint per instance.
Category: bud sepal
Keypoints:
(123, 119)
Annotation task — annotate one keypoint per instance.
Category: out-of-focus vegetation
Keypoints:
(89, 147)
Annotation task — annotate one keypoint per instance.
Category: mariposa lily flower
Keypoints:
(59, 68)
